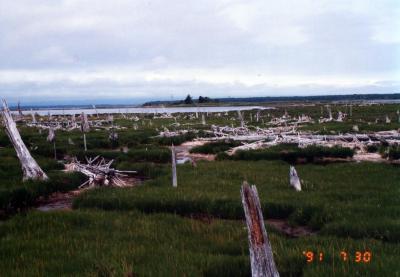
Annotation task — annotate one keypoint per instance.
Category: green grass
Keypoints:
(336, 196)
(291, 153)
(100, 243)
(215, 147)
(150, 230)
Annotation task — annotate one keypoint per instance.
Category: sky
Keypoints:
(132, 51)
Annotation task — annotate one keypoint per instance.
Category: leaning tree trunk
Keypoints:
(30, 168)
(261, 257)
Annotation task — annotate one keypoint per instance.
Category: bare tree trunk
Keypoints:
(261, 257)
(84, 142)
(203, 119)
(294, 179)
(85, 127)
(174, 177)
(33, 116)
(30, 168)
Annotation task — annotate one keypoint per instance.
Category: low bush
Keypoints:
(215, 147)
(309, 154)
(25, 194)
(176, 140)
(159, 155)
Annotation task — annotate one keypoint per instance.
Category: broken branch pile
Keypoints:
(100, 173)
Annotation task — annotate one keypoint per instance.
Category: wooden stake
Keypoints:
(30, 168)
(261, 257)
(174, 177)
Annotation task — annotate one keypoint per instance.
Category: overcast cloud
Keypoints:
(139, 50)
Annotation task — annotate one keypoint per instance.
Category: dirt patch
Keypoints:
(369, 157)
(63, 200)
(292, 231)
(183, 152)
(57, 201)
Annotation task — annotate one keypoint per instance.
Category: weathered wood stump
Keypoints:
(261, 257)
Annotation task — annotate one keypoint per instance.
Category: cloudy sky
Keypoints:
(133, 50)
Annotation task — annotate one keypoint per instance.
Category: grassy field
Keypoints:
(198, 228)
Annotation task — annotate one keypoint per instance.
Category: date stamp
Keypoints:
(344, 256)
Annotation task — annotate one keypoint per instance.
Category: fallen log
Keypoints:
(30, 168)
(100, 173)
(261, 257)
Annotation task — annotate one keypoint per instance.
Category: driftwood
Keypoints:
(100, 173)
(174, 177)
(30, 168)
(261, 257)
(294, 179)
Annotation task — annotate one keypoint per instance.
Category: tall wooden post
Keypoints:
(261, 257)
(30, 168)
(174, 177)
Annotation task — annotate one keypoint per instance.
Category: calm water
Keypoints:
(150, 110)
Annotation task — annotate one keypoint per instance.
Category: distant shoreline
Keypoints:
(221, 102)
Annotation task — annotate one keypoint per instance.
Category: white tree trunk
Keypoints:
(174, 177)
(261, 257)
(294, 179)
(30, 168)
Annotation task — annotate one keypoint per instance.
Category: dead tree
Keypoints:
(173, 158)
(261, 257)
(100, 173)
(30, 168)
(84, 128)
(294, 179)
(33, 117)
(95, 109)
(52, 138)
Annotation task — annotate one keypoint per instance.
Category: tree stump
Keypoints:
(261, 257)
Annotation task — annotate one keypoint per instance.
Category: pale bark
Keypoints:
(174, 177)
(261, 256)
(100, 173)
(294, 179)
(30, 168)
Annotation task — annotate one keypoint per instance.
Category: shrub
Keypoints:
(215, 147)
(310, 154)
(159, 155)
(176, 140)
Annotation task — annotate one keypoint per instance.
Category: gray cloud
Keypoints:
(138, 49)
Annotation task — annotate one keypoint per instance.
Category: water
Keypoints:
(217, 109)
